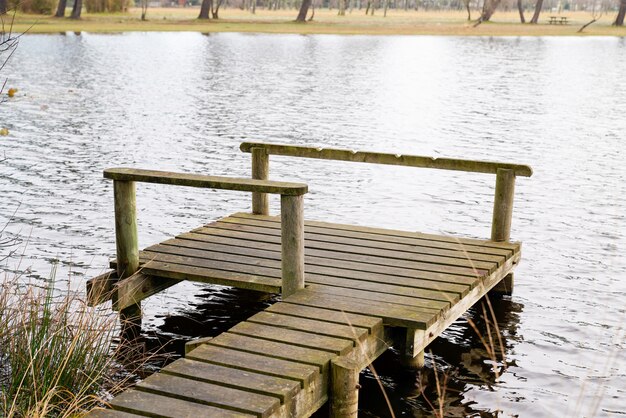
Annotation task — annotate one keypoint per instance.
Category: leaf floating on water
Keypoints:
(11, 92)
(4, 132)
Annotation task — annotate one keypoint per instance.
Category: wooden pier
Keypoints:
(348, 292)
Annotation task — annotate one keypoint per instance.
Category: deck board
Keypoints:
(358, 280)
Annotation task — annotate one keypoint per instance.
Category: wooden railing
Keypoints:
(505, 174)
(292, 215)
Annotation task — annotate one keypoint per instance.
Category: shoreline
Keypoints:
(435, 23)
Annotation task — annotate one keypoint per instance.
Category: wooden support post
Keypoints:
(292, 242)
(501, 225)
(503, 205)
(260, 171)
(344, 395)
(127, 251)
(411, 358)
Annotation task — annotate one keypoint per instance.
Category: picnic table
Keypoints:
(561, 20)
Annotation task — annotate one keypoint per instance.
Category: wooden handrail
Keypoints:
(388, 159)
(292, 226)
(505, 174)
(209, 182)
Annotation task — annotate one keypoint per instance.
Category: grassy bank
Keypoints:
(325, 22)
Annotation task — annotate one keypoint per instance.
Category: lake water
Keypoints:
(184, 102)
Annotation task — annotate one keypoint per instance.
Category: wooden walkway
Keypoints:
(361, 288)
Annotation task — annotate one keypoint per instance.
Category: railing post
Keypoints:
(260, 171)
(503, 205)
(344, 396)
(501, 225)
(127, 251)
(292, 243)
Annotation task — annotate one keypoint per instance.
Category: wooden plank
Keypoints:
(406, 246)
(272, 251)
(355, 334)
(261, 406)
(427, 246)
(274, 349)
(248, 264)
(322, 266)
(100, 288)
(372, 324)
(109, 413)
(283, 389)
(303, 373)
(210, 182)
(474, 166)
(392, 314)
(424, 305)
(341, 252)
(153, 405)
(139, 286)
(337, 346)
(395, 287)
(205, 275)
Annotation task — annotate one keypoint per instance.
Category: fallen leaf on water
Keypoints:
(4, 132)
(11, 92)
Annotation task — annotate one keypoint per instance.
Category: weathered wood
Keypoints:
(344, 397)
(335, 345)
(127, 252)
(107, 413)
(132, 290)
(387, 159)
(335, 273)
(100, 288)
(261, 406)
(283, 389)
(425, 337)
(372, 324)
(208, 182)
(205, 275)
(393, 235)
(193, 344)
(292, 243)
(150, 404)
(392, 314)
(260, 171)
(503, 205)
(505, 286)
(303, 373)
(275, 349)
(310, 325)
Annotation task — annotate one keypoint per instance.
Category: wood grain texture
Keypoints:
(387, 159)
(260, 171)
(207, 182)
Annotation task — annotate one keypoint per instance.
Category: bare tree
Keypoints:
(467, 7)
(538, 7)
(216, 10)
(489, 8)
(78, 7)
(595, 15)
(61, 8)
(304, 10)
(144, 9)
(619, 20)
(3, 7)
(342, 8)
(205, 8)
(520, 9)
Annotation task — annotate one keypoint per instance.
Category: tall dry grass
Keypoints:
(57, 355)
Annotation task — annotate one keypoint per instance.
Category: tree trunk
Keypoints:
(619, 20)
(60, 8)
(367, 9)
(78, 7)
(215, 12)
(342, 8)
(304, 10)
(386, 7)
(469, 12)
(205, 8)
(520, 9)
(489, 9)
(538, 7)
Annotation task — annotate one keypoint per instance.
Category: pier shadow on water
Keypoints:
(461, 359)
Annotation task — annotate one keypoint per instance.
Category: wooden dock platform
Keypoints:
(348, 292)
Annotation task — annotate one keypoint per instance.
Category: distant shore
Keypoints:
(400, 22)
